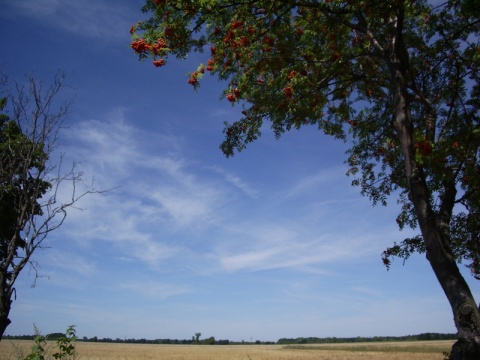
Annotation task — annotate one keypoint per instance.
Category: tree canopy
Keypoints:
(399, 80)
(297, 63)
(30, 179)
(21, 159)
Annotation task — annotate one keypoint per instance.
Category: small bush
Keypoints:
(65, 348)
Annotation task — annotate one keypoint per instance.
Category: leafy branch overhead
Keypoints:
(323, 63)
(397, 79)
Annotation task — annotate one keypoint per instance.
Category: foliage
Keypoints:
(17, 153)
(197, 337)
(328, 64)
(398, 79)
(208, 341)
(361, 339)
(31, 178)
(65, 345)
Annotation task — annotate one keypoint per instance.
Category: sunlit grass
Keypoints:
(401, 347)
(415, 350)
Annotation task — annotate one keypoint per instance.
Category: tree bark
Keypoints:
(5, 306)
(465, 312)
(4, 322)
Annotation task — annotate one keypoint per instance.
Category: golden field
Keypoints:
(418, 350)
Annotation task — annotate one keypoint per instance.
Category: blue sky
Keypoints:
(271, 243)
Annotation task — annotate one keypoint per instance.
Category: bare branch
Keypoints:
(31, 179)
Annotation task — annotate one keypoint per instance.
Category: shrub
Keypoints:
(64, 344)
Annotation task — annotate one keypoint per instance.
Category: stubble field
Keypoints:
(418, 350)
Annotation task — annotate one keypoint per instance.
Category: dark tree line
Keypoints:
(359, 339)
(283, 341)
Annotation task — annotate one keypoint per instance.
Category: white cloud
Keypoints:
(122, 222)
(330, 181)
(237, 182)
(87, 18)
(156, 191)
(67, 261)
(38, 8)
(288, 246)
(153, 289)
(162, 202)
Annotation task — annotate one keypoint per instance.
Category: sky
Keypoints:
(271, 243)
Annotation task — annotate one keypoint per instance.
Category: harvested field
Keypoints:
(417, 350)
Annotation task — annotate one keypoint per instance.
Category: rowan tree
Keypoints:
(31, 177)
(397, 79)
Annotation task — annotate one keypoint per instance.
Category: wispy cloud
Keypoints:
(88, 18)
(327, 180)
(67, 261)
(287, 246)
(237, 182)
(143, 213)
(154, 217)
(154, 289)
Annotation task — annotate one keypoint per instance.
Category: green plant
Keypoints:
(65, 345)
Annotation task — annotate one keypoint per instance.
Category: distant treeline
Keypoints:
(208, 341)
(333, 340)
(52, 336)
(212, 341)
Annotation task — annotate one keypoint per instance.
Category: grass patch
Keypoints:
(388, 347)
(417, 350)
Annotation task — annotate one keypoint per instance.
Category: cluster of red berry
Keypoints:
(288, 91)
(210, 65)
(234, 95)
(140, 46)
(159, 62)
(424, 147)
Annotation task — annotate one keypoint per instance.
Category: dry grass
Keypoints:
(424, 350)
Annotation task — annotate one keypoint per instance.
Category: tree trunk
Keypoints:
(4, 322)
(465, 311)
(5, 305)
